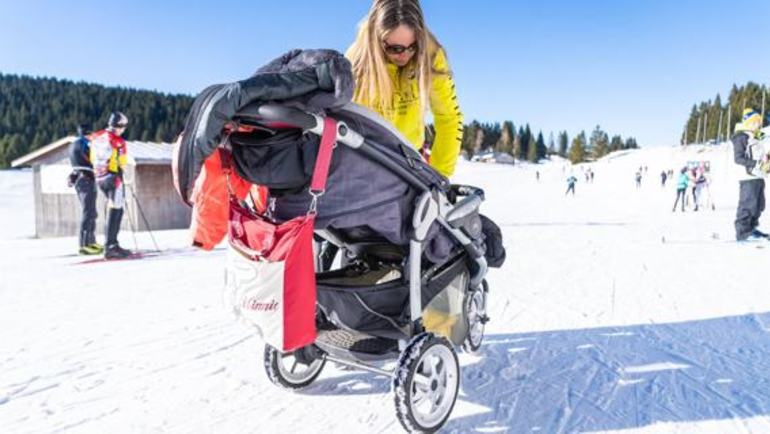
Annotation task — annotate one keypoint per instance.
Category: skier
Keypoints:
(754, 165)
(692, 174)
(663, 178)
(571, 185)
(108, 155)
(537, 175)
(638, 178)
(82, 178)
(681, 188)
(700, 183)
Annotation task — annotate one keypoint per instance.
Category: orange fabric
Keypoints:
(259, 195)
(211, 202)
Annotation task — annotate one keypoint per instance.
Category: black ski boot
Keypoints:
(114, 251)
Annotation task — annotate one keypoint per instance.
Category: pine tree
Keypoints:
(577, 151)
(505, 144)
(551, 144)
(532, 152)
(563, 143)
(468, 143)
(517, 144)
(540, 149)
(599, 143)
(37, 111)
(616, 143)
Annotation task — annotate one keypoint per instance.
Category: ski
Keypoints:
(133, 256)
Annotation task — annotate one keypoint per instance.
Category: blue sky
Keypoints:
(633, 66)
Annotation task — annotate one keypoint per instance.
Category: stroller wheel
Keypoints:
(425, 383)
(476, 315)
(289, 371)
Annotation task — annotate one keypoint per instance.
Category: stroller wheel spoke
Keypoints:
(421, 381)
(435, 365)
(418, 395)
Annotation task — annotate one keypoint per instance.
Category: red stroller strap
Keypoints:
(324, 158)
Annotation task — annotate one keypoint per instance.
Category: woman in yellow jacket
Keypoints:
(401, 70)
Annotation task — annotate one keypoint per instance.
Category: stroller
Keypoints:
(408, 285)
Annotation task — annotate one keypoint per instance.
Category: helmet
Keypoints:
(117, 120)
(751, 115)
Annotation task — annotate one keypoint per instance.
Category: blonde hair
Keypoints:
(374, 87)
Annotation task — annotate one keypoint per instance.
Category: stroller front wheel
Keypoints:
(476, 315)
(289, 371)
(426, 382)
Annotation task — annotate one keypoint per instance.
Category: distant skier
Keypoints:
(82, 178)
(571, 185)
(108, 155)
(754, 166)
(638, 178)
(663, 178)
(537, 175)
(681, 188)
(592, 176)
(700, 184)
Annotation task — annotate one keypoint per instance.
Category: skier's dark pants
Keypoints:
(112, 187)
(750, 207)
(570, 188)
(86, 189)
(680, 192)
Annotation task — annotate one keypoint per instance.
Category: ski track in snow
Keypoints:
(612, 314)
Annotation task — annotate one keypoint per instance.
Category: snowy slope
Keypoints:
(611, 314)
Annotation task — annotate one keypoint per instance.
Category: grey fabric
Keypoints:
(742, 152)
(310, 79)
(361, 193)
(751, 203)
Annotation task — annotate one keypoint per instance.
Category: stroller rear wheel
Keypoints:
(425, 383)
(476, 315)
(289, 370)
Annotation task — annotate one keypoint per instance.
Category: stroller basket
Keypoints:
(375, 300)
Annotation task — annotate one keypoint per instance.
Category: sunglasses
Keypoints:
(398, 49)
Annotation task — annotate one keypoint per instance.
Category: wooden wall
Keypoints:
(58, 215)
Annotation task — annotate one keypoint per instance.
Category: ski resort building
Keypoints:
(151, 202)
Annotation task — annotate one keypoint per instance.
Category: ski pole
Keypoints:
(144, 218)
(131, 224)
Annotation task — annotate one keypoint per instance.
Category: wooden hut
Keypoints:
(151, 202)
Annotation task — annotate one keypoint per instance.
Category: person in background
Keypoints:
(638, 178)
(692, 174)
(571, 181)
(663, 178)
(401, 71)
(109, 156)
(82, 178)
(700, 184)
(681, 188)
(753, 164)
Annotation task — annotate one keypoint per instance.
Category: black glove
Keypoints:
(494, 250)
(72, 178)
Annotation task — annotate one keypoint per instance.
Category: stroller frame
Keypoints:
(432, 207)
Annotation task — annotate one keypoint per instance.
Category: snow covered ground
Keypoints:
(612, 314)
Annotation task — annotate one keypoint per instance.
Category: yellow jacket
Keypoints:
(448, 120)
